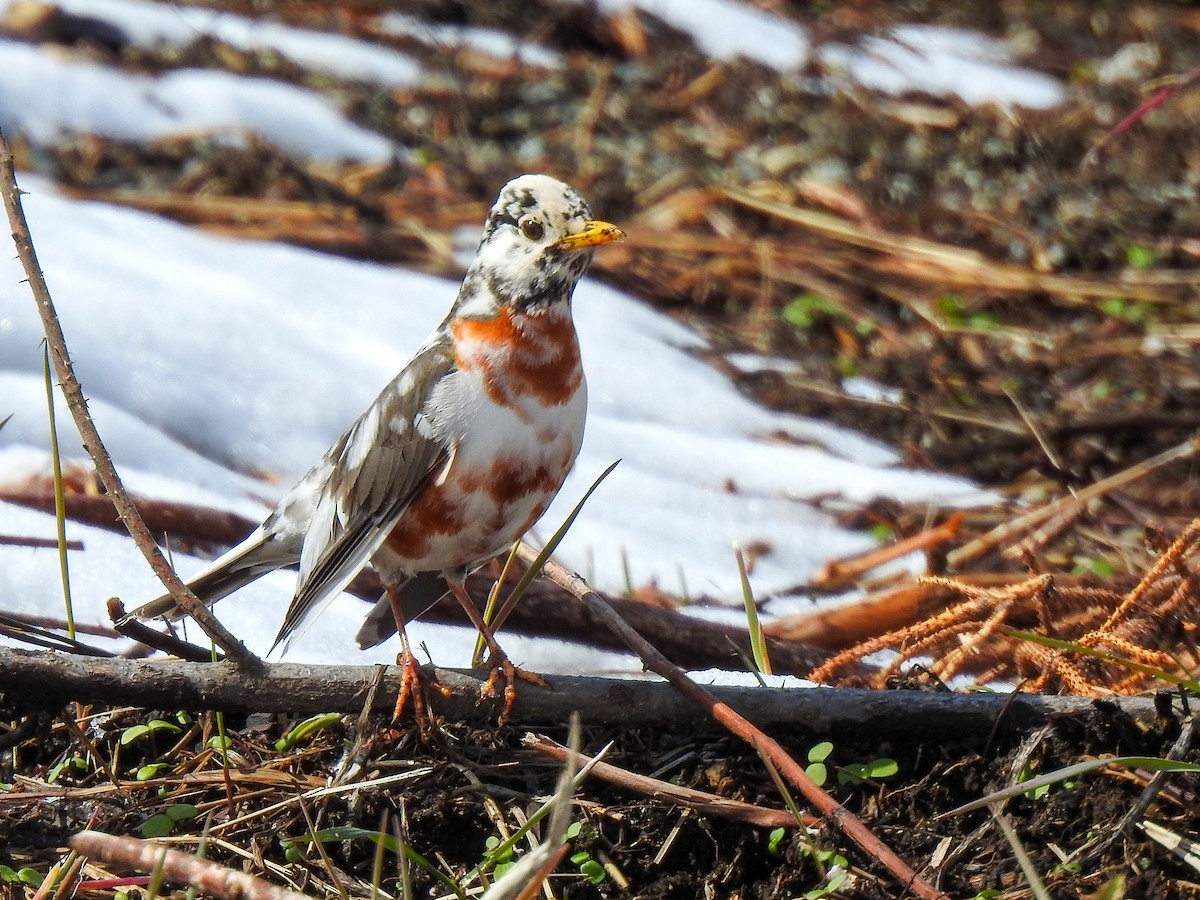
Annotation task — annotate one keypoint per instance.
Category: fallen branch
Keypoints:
(304, 689)
(544, 610)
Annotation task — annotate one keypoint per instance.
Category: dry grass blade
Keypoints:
(701, 801)
(948, 265)
(1036, 886)
(1010, 530)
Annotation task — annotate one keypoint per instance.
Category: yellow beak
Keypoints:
(593, 235)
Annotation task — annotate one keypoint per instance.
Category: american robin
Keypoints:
(461, 453)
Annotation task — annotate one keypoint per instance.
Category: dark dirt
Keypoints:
(1036, 390)
(658, 849)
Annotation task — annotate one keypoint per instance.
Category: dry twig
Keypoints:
(849, 825)
(87, 428)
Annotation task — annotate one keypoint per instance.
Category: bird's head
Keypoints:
(537, 243)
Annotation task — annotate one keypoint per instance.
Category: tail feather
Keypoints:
(417, 594)
(249, 560)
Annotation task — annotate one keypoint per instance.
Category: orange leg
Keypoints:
(412, 680)
(498, 660)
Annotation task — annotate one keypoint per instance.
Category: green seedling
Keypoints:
(307, 728)
(67, 766)
(163, 823)
(137, 732)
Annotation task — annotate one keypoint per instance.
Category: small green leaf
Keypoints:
(881, 768)
(157, 826)
(845, 366)
(1038, 792)
(775, 839)
(177, 812)
(952, 307)
(30, 877)
(501, 868)
(1139, 256)
(147, 772)
(573, 830)
(808, 308)
(134, 732)
(820, 752)
(882, 532)
(593, 871)
(817, 772)
(57, 771)
(851, 774)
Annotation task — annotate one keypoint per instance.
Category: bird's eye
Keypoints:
(532, 229)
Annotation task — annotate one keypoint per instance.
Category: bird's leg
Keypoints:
(498, 660)
(412, 679)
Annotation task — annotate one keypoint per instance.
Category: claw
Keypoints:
(415, 683)
(500, 668)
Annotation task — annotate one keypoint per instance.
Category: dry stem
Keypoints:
(849, 825)
(87, 428)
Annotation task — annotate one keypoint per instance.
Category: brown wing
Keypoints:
(373, 472)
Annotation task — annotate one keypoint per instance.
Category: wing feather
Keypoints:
(376, 468)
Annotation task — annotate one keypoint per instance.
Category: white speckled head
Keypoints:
(537, 242)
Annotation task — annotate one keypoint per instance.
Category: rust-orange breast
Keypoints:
(521, 358)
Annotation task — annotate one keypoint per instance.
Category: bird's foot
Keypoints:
(502, 669)
(415, 683)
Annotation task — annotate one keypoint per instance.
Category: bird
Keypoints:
(460, 454)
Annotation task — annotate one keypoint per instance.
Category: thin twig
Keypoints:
(738, 725)
(701, 801)
(87, 428)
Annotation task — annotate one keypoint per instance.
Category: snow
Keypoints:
(46, 95)
(47, 92)
(727, 29)
(944, 61)
(484, 40)
(910, 58)
(149, 24)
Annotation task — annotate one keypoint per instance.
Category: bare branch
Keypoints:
(87, 428)
(307, 689)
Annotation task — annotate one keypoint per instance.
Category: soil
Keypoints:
(1036, 389)
(653, 849)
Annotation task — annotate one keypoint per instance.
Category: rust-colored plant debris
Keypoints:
(971, 636)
